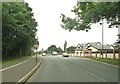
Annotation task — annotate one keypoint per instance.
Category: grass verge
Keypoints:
(108, 60)
(13, 59)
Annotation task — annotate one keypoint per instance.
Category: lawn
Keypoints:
(108, 60)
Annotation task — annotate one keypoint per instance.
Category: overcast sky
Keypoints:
(47, 14)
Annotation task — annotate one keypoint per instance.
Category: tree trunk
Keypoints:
(20, 51)
(6, 54)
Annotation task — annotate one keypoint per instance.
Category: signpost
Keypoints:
(36, 47)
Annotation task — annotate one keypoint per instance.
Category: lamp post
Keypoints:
(102, 36)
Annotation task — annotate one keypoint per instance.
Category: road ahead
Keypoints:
(74, 69)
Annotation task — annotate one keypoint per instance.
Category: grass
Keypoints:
(11, 59)
(0, 62)
(108, 60)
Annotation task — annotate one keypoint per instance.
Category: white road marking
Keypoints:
(96, 76)
(28, 73)
(13, 65)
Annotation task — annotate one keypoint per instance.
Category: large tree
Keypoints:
(88, 13)
(59, 50)
(18, 29)
(52, 48)
(71, 49)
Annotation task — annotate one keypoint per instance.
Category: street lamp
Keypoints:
(102, 36)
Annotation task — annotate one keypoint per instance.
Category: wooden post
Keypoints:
(118, 54)
(113, 53)
(80, 54)
(102, 54)
(84, 53)
(96, 54)
(99, 54)
(90, 53)
(106, 54)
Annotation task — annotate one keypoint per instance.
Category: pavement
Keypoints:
(20, 70)
(72, 69)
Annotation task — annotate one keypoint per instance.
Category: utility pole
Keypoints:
(102, 36)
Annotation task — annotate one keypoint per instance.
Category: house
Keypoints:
(88, 49)
(82, 48)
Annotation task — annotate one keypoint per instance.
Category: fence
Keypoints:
(115, 54)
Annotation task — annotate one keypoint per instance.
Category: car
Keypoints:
(43, 54)
(65, 54)
(54, 53)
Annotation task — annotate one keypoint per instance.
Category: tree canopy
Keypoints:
(53, 48)
(18, 29)
(71, 49)
(88, 13)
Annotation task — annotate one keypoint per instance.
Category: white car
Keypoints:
(43, 54)
(54, 53)
(65, 54)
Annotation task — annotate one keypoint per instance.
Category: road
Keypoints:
(74, 69)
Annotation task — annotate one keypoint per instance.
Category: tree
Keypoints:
(88, 13)
(59, 50)
(117, 44)
(71, 49)
(65, 45)
(18, 29)
(52, 48)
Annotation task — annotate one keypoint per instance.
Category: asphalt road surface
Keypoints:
(74, 69)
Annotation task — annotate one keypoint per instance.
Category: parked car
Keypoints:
(43, 54)
(65, 54)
